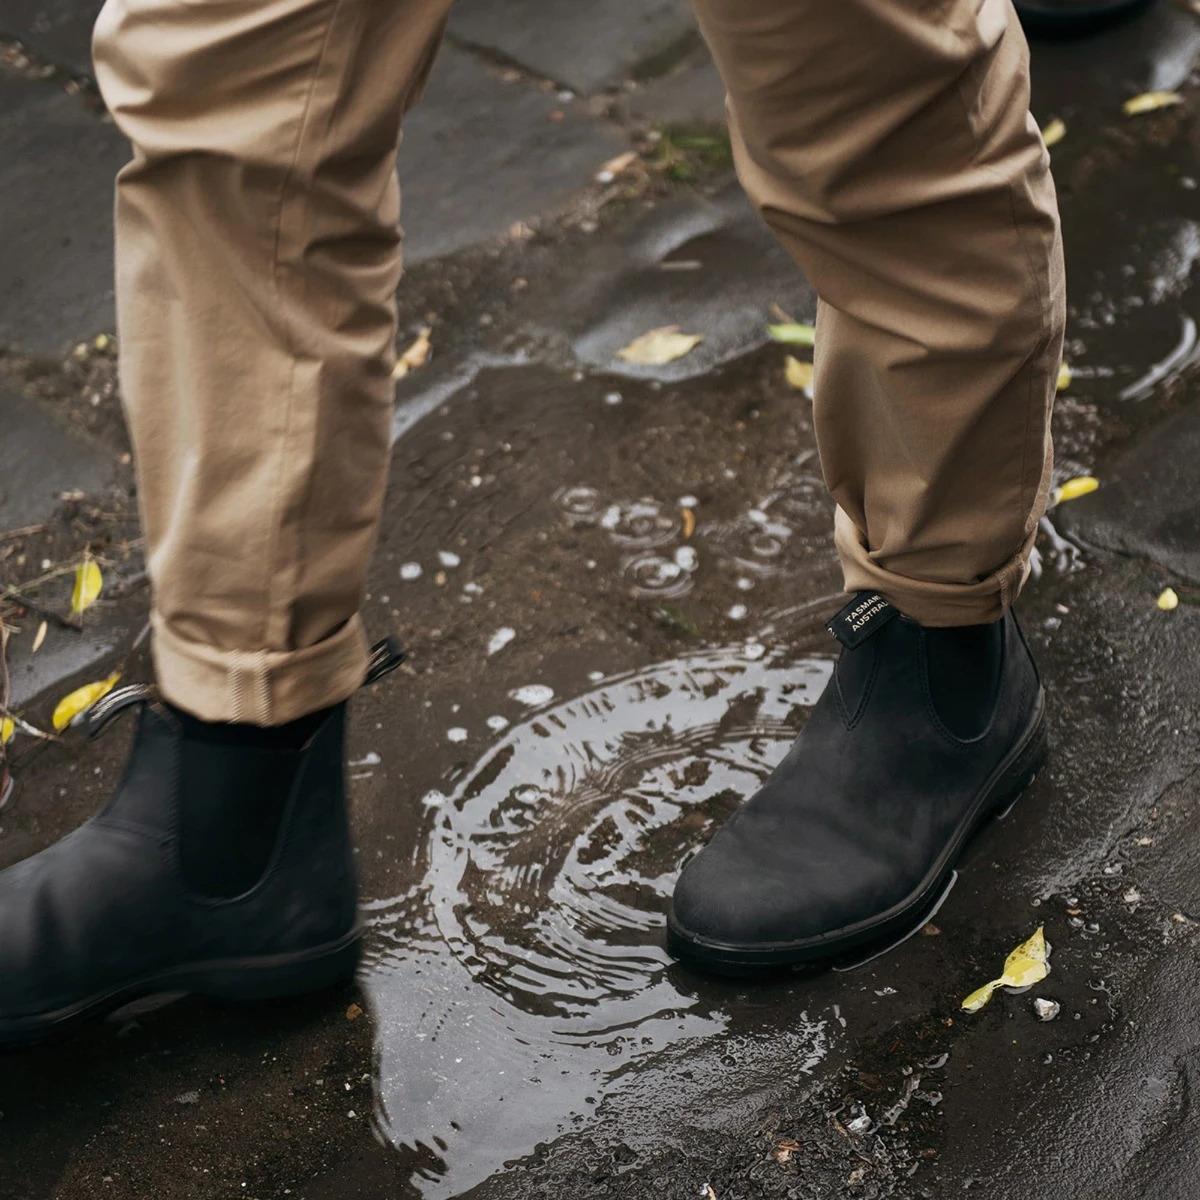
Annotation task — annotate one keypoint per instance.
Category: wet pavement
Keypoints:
(611, 584)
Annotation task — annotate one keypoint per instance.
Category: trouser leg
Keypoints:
(258, 253)
(889, 145)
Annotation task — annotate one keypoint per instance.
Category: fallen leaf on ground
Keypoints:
(615, 166)
(417, 355)
(798, 374)
(88, 583)
(1150, 102)
(709, 1194)
(784, 1151)
(39, 638)
(7, 728)
(353, 1012)
(793, 334)
(1072, 489)
(81, 699)
(1168, 599)
(1028, 964)
(1054, 132)
(1064, 378)
(659, 346)
(688, 519)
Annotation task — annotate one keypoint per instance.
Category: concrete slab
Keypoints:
(691, 93)
(59, 31)
(1149, 505)
(586, 47)
(711, 266)
(57, 163)
(67, 654)
(41, 460)
(474, 129)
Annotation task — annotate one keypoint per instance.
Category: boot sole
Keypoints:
(266, 977)
(995, 799)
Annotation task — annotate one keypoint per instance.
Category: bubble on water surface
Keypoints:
(646, 522)
(651, 574)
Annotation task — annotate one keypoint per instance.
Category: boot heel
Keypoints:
(1022, 771)
(281, 975)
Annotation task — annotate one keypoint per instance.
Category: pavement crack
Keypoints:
(490, 56)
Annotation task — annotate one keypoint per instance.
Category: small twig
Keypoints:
(42, 611)
(25, 726)
(137, 641)
(4, 636)
(16, 589)
(25, 531)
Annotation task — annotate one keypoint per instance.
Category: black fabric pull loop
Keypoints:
(98, 717)
(386, 656)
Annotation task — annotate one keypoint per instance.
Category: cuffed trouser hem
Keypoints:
(932, 604)
(259, 687)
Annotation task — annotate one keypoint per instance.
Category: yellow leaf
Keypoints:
(81, 699)
(659, 346)
(1064, 378)
(1054, 132)
(39, 638)
(1150, 102)
(88, 582)
(1072, 489)
(1028, 964)
(417, 355)
(1168, 599)
(7, 728)
(793, 334)
(688, 522)
(798, 374)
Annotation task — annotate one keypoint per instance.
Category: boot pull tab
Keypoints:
(98, 717)
(866, 614)
(386, 656)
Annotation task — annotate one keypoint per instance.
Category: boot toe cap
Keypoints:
(724, 897)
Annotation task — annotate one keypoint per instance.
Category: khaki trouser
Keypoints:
(887, 142)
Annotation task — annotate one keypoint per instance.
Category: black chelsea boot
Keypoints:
(920, 736)
(222, 866)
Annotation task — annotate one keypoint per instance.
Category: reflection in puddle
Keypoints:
(523, 984)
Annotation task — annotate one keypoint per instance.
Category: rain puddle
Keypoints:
(522, 985)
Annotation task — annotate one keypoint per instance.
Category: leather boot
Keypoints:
(920, 736)
(222, 866)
